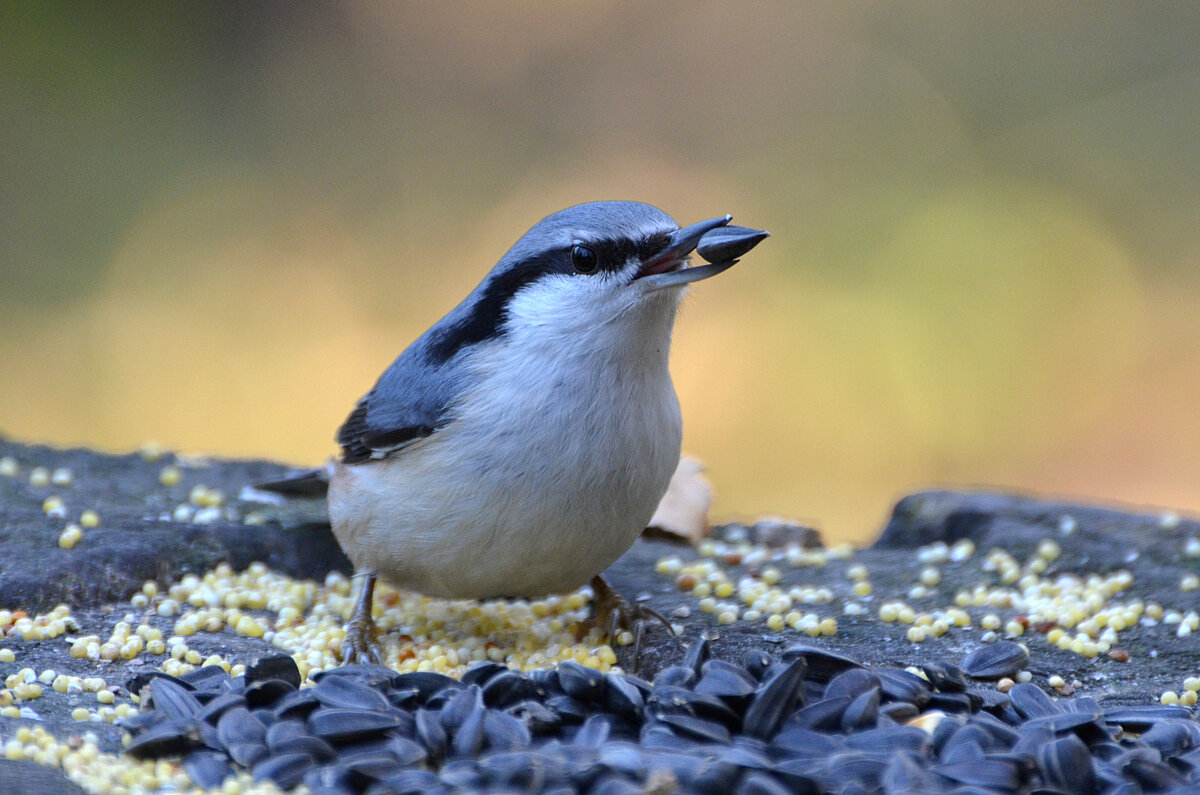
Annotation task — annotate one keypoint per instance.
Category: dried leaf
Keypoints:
(683, 510)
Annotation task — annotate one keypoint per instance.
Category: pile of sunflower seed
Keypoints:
(811, 721)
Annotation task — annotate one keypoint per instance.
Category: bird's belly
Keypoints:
(463, 517)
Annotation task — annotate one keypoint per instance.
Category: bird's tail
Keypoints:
(300, 483)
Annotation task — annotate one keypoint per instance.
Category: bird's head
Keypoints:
(593, 267)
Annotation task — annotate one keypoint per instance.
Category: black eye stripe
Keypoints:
(483, 318)
(614, 255)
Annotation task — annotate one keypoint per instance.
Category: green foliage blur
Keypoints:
(220, 221)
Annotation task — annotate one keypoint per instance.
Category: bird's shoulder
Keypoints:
(409, 402)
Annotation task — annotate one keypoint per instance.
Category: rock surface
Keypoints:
(140, 537)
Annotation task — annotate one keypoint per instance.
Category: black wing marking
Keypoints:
(408, 403)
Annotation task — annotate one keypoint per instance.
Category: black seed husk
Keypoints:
(810, 721)
(1002, 658)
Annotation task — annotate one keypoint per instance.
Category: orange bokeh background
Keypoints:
(219, 223)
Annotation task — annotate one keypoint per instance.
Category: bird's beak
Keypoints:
(666, 268)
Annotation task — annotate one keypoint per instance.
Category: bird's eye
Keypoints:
(584, 260)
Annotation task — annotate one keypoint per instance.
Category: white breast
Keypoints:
(553, 467)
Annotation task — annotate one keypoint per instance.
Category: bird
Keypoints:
(521, 444)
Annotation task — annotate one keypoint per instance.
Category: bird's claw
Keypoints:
(614, 613)
(361, 644)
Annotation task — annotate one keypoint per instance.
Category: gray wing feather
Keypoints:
(410, 401)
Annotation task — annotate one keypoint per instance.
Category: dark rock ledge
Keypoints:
(137, 539)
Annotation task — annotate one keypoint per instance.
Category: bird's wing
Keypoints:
(407, 404)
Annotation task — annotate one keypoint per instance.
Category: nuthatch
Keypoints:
(521, 444)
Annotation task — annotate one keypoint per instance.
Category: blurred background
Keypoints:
(219, 222)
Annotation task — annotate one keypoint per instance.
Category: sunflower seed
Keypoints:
(503, 732)
(799, 775)
(863, 767)
(406, 751)
(248, 754)
(173, 699)
(461, 706)
(535, 717)
(215, 708)
(206, 677)
(285, 731)
(891, 738)
(593, 733)
(339, 725)
(1003, 735)
(144, 676)
(903, 775)
(1142, 717)
(480, 673)
(614, 785)
(697, 655)
(824, 714)
(1065, 721)
(266, 692)
(1030, 702)
(509, 687)
(950, 702)
(675, 676)
(623, 757)
(580, 682)
(567, 709)
(853, 683)
(966, 750)
(207, 769)
(993, 773)
(794, 740)
(1152, 774)
(373, 763)
(729, 242)
(899, 685)
(823, 664)
(967, 734)
(774, 700)
(697, 727)
(899, 711)
(623, 697)
(1066, 763)
(945, 676)
(277, 668)
(237, 725)
(141, 721)
(656, 736)
(862, 711)
(349, 693)
(719, 678)
(430, 732)
(286, 770)
(1172, 737)
(462, 774)
(741, 754)
(992, 700)
(468, 733)
(1002, 658)
(426, 683)
(168, 737)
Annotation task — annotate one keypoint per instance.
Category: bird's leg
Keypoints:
(614, 613)
(361, 644)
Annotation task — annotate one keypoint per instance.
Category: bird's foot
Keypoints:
(614, 614)
(361, 644)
